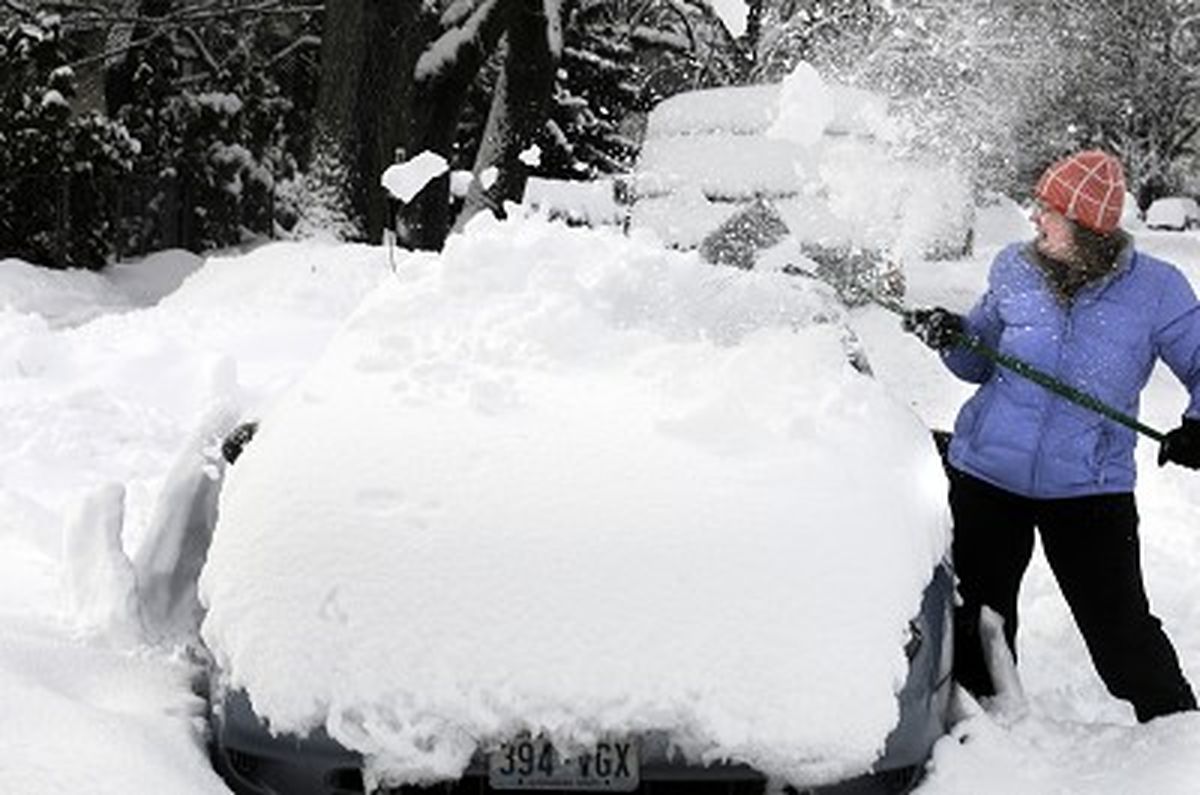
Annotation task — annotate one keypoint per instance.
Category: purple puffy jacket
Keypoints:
(1023, 438)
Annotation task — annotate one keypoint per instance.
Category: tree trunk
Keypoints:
(751, 40)
(368, 51)
(91, 79)
(437, 103)
(338, 153)
(393, 84)
(519, 106)
(400, 33)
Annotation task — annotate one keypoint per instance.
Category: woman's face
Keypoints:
(1054, 236)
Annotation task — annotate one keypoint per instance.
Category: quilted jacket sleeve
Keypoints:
(1177, 334)
(982, 322)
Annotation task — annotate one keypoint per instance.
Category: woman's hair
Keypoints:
(1095, 257)
(1095, 252)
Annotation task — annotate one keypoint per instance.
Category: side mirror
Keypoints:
(237, 439)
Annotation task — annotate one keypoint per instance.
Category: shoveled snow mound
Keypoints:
(563, 481)
(82, 718)
(113, 399)
(73, 297)
(147, 280)
(61, 297)
(124, 398)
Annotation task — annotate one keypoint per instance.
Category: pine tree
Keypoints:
(56, 169)
(595, 91)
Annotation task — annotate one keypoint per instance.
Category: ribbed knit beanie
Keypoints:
(1087, 187)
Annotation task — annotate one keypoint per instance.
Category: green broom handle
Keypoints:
(1026, 370)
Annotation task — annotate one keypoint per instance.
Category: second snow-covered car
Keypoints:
(830, 160)
(560, 509)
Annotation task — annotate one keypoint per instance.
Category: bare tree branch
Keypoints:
(183, 19)
(303, 41)
(104, 56)
(204, 53)
(83, 19)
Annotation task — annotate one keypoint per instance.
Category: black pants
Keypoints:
(1091, 544)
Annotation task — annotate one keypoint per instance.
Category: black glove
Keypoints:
(1182, 445)
(938, 328)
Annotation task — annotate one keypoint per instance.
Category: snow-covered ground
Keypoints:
(108, 380)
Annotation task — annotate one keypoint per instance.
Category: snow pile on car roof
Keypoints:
(755, 108)
(564, 481)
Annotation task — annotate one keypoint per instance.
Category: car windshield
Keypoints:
(570, 482)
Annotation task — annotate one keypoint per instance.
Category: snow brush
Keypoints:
(1021, 368)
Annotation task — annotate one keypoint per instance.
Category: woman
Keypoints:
(1082, 304)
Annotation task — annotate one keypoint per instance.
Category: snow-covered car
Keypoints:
(580, 202)
(562, 509)
(1175, 213)
(825, 156)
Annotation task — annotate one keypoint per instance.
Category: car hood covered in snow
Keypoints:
(567, 482)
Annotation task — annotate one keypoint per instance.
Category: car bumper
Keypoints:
(255, 762)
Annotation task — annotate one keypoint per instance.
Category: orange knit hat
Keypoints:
(1087, 187)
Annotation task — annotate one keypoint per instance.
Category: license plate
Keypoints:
(534, 764)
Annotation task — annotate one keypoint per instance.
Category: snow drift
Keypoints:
(568, 482)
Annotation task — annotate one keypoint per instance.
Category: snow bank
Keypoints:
(86, 719)
(98, 578)
(61, 297)
(564, 481)
(73, 297)
(168, 563)
(272, 309)
(147, 280)
(96, 389)
(113, 399)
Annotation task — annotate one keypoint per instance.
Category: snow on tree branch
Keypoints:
(666, 40)
(303, 41)
(456, 12)
(554, 33)
(445, 51)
